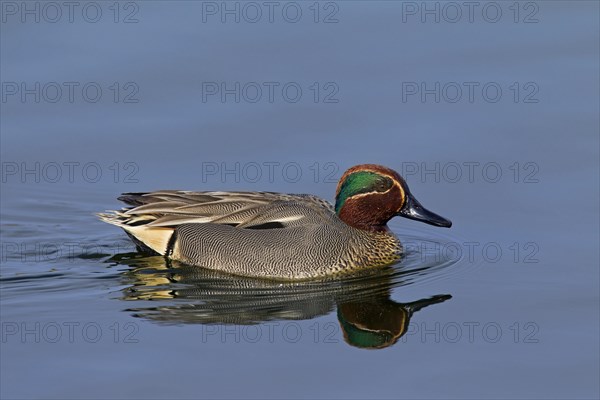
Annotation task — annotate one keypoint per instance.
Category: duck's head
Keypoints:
(379, 322)
(369, 195)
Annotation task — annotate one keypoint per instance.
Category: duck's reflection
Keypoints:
(379, 322)
(368, 317)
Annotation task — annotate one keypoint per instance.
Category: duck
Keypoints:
(277, 236)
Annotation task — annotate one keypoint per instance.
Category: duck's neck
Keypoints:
(364, 222)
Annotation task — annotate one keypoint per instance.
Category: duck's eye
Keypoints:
(383, 185)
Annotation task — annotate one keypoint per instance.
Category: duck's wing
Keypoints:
(252, 210)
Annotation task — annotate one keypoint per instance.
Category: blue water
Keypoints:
(491, 114)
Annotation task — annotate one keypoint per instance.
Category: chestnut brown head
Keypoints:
(369, 195)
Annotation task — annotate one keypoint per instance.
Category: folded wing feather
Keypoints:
(169, 208)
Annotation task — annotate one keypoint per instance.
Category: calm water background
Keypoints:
(523, 318)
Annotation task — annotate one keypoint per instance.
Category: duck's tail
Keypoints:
(154, 238)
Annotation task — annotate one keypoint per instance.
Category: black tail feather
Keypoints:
(134, 199)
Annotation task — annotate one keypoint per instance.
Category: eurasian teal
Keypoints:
(275, 235)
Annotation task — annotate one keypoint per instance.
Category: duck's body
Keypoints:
(271, 235)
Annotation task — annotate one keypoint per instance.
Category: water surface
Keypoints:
(503, 305)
